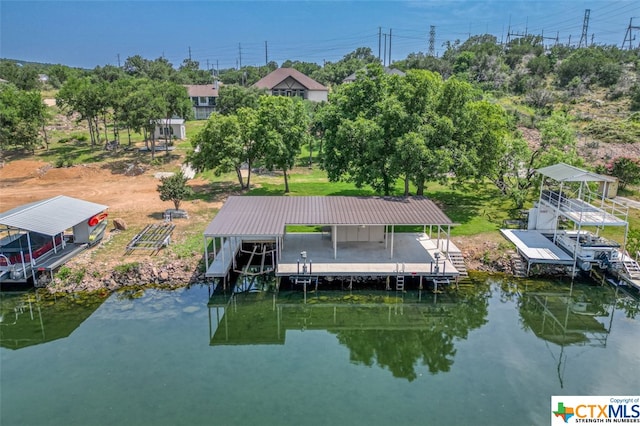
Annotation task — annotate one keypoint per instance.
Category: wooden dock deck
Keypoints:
(413, 254)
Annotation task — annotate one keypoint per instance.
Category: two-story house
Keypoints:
(203, 97)
(291, 82)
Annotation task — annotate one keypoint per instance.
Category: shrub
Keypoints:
(635, 98)
(125, 268)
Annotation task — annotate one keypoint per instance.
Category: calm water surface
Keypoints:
(491, 353)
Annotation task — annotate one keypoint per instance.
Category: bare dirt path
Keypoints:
(133, 198)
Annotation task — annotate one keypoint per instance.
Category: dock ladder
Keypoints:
(399, 278)
(400, 283)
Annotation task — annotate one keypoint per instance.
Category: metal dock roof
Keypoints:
(268, 215)
(562, 172)
(51, 216)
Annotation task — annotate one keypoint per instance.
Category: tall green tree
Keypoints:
(22, 117)
(87, 98)
(232, 97)
(279, 131)
(175, 103)
(222, 146)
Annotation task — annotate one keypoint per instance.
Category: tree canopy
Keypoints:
(383, 127)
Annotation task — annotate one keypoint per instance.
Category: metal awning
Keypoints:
(51, 216)
(562, 172)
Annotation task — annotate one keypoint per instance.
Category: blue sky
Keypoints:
(91, 33)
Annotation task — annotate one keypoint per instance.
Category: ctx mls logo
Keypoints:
(564, 412)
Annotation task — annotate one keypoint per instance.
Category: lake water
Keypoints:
(491, 353)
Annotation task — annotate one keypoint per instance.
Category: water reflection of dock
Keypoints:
(26, 320)
(401, 329)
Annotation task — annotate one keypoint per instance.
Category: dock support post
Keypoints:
(392, 233)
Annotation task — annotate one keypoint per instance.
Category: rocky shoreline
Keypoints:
(175, 273)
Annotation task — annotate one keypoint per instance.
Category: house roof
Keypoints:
(562, 172)
(171, 121)
(202, 90)
(51, 216)
(268, 215)
(279, 75)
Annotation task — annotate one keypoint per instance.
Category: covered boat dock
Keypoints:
(41, 236)
(357, 237)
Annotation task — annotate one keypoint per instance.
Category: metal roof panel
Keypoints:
(268, 215)
(51, 216)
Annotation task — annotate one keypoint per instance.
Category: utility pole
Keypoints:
(118, 60)
(384, 61)
(585, 28)
(390, 46)
(379, 41)
(240, 55)
(189, 53)
(266, 54)
(432, 40)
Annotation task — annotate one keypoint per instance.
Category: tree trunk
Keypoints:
(153, 146)
(406, 186)
(420, 189)
(286, 181)
(167, 143)
(104, 121)
(248, 174)
(46, 138)
(116, 133)
(239, 176)
(129, 134)
(97, 129)
(91, 132)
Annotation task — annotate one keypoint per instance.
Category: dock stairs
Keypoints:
(632, 268)
(517, 265)
(458, 262)
(454, 254)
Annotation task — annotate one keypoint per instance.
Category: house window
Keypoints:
(194, 99)
(212, 101)
(202, 100)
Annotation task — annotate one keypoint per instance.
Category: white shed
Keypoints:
(173, 127)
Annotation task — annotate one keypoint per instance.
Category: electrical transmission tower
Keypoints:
(628, 35)
(585, 28)
(432, 40)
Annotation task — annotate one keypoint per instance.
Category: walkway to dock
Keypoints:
(221, 264)
(413, 254)
(536, 248)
